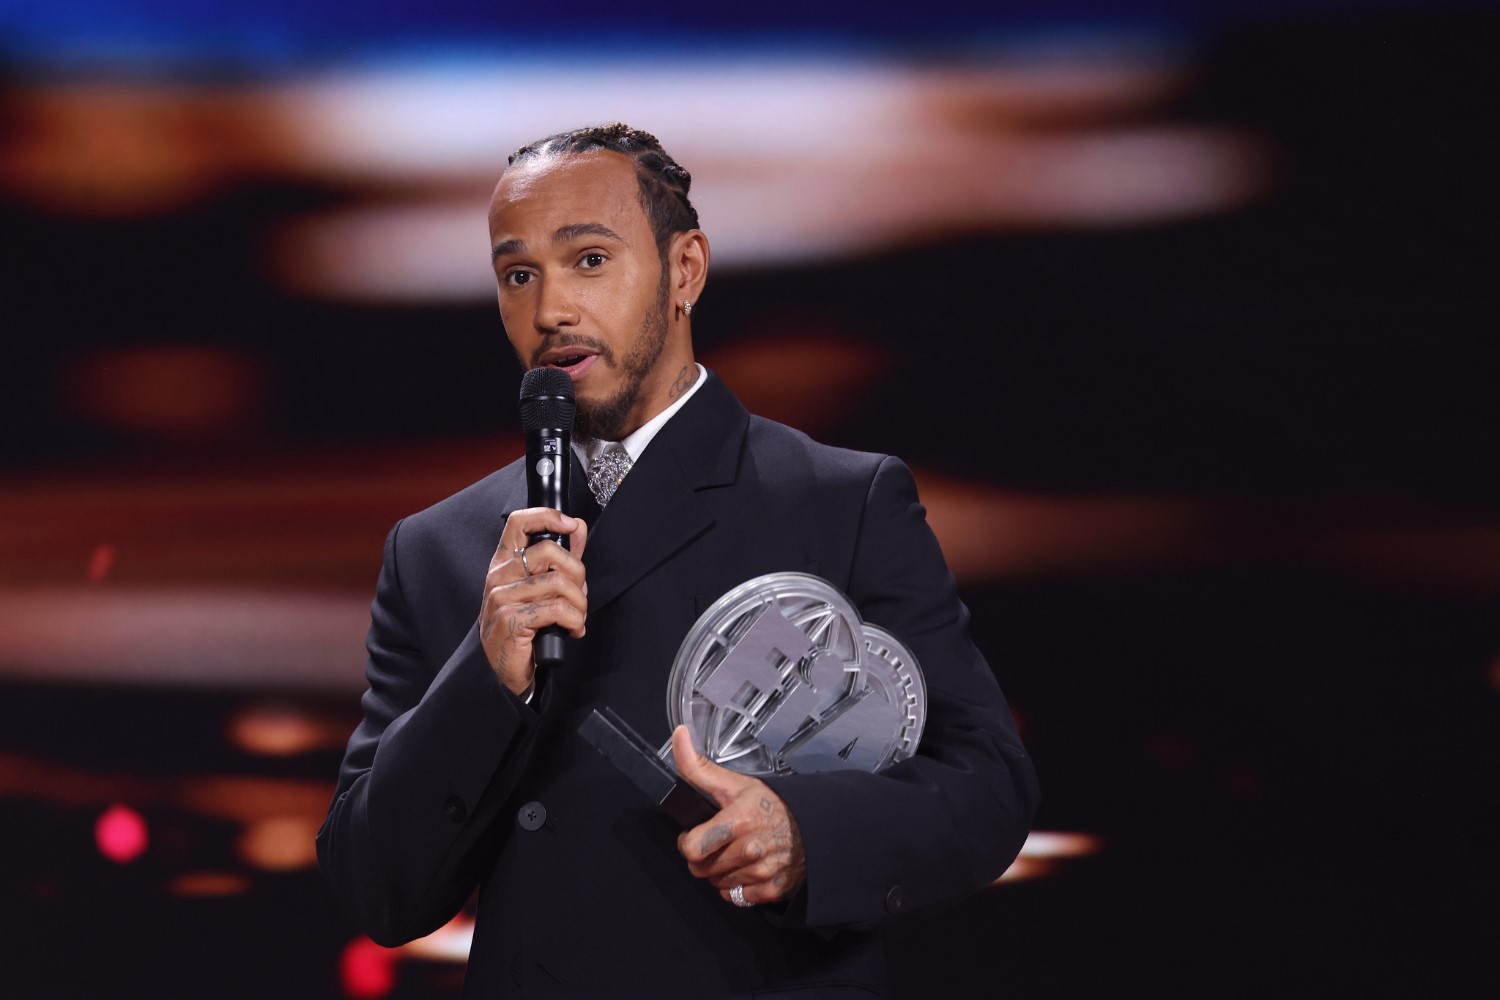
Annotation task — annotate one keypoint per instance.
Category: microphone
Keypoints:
(547, 409)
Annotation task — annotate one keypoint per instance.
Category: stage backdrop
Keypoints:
(1209, 294)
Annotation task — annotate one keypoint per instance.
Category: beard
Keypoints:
(605, 421)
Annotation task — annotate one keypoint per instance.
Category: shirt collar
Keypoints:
(635, 442)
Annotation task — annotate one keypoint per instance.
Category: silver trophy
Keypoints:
(781, 676)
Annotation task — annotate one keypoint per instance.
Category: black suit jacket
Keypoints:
(451, 782)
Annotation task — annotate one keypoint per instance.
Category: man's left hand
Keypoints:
(753, 840)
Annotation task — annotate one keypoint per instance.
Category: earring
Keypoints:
(687, 307)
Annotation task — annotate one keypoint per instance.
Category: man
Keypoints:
(468, 769)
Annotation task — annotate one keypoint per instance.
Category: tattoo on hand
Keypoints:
(781, 833)
(715, 838)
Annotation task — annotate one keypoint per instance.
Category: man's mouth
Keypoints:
(575, 361)
(572, 353)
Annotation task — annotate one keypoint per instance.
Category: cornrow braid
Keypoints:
(663, 182)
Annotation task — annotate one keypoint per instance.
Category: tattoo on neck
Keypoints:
(682, 382)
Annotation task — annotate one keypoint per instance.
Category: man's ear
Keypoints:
(687, 256)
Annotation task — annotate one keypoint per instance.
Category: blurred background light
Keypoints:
(173, 391)
(196, 635)
(1043, 851)
(794, 161)
(208, 885)
(280, 729)
(280, 843)
(367, 970)
(1179, 312)
(120, 832)
(100, 562)
(449, 943)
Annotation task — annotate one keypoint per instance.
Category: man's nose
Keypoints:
(554, 308)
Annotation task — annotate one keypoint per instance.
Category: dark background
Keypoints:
(1248, 457)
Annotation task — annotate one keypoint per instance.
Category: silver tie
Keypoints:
(607, 471)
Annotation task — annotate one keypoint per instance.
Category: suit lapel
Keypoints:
(657, 512)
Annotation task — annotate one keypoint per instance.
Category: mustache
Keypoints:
(595, 345)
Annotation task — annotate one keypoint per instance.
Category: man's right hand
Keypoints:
(518, 603)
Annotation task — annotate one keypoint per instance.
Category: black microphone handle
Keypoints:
(548, 647)
(548, 465)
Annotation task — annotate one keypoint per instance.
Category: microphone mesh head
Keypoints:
(547, 400)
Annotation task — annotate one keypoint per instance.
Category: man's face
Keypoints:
(582, 287)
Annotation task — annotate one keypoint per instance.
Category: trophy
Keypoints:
(779, 676)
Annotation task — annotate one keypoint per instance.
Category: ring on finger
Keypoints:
(737, 897)
(520, 553)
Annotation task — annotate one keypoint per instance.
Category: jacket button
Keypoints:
(893, 900)
(455, 809)
(531, 816)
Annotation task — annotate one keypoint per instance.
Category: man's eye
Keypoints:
(518, 278)
(591, 260)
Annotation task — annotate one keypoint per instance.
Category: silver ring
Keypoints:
(737, 897)
(521, 554)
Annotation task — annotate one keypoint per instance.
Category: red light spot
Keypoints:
(367, 970)
(121, 834)
(100, 563)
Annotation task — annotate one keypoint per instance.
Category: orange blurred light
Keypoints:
(281, 843)
(277, 731)
(1024, 868)
(449, 943)
(124, 150)
(206, 885)
(1050, 844)
(174, 391)
(805, 377)
(1044, 849)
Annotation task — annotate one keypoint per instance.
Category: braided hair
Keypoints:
(663, 183)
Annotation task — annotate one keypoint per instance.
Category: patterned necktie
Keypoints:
(607, 471)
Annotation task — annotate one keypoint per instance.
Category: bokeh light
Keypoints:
(179, 391)
(280, 843)
(120, 833)
(281, 730)
(366, 970)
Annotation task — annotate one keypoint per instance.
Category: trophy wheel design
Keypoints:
(781, 676)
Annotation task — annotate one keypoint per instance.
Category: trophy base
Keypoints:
(625, 749)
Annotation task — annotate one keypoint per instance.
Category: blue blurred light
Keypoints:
(250, 35)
